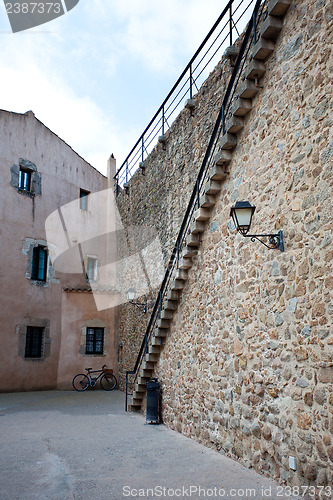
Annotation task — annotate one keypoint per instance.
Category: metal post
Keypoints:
(230, 23)
(191, 92)
(126, 171)
(223, 120)
(254, 29)
(142, 147)
(162, 120)
(126, 391)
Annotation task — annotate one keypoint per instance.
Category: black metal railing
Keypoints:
(244, 56)
(228, 26)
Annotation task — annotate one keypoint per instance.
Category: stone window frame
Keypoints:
(22, 329)
(35, 178)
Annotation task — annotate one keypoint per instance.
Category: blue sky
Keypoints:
(96, 75)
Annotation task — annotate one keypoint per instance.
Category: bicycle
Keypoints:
(106, 378)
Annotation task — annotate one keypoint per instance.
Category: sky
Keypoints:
(96, 75)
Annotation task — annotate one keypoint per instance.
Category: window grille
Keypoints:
(34, 341)
(94, 340)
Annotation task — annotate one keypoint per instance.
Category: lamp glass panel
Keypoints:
(244, 216)
(131, 294)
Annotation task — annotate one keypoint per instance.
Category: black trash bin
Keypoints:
(153, 399)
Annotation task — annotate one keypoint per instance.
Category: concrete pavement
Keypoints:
(63, 445)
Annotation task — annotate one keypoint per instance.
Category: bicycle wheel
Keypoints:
(80, 382)
(108, 382)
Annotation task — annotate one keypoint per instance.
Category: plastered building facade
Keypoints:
(51, 326)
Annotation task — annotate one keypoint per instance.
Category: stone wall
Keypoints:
(247, 366)
(159, 198)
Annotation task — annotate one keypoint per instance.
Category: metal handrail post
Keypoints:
(230, 23)
(191, 82)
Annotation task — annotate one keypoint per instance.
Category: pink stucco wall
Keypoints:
(22, 225)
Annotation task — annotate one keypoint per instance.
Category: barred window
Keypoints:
(34, 341)
(94, 340)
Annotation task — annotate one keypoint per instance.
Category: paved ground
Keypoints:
(83, 446)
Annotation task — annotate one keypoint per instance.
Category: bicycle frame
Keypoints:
(93, 380)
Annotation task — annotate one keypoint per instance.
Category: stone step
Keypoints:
(177, 284)
(218, 172)
(142, 380)
(185, 263)
(152, 357)
(187, 253)
(278, 7)
(171, 305)
(146, 372)
(197, 227)
(163, 323)
(134, 408)
(247, 89)
(271, 28)
(148, 365)
(228, 141)
(154, 349)
(212, 187)
(202, 214)
(241, 107)
(207, 200)
(156, 341)
(255, 70)
(161, 332)
(262, 49)
(235, 124)
(193, 240)
(166, 315)
(173, 295)
(136, 402)
(140, 388)
(223, 158)
(137, 396)
(181, 274)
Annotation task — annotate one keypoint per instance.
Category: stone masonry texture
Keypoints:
(247, 366)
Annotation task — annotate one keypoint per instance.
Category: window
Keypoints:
(92, 267)
(94, 340)
(39, 264)
(25, 179)
(84, 199)
(33, 342)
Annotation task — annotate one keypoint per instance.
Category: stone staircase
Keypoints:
(247, 90)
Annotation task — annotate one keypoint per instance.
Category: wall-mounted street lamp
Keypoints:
(242, 214)
(130, 298)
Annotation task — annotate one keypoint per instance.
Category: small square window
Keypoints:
(92, 269)
(84, 199)
(94, 340)
(25, 179)
(34, 342)
(39, 264)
